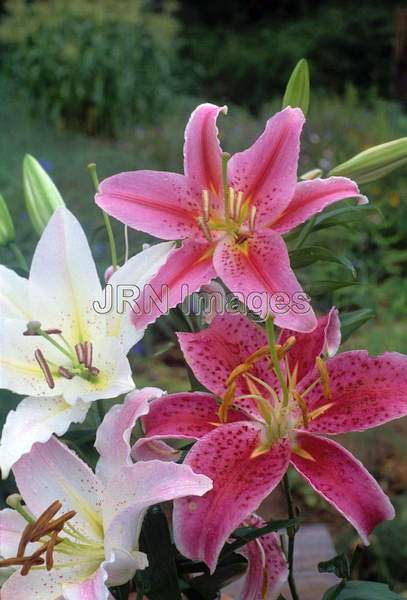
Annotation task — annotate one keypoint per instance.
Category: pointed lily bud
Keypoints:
(42, 197)
(297, 92)
(7, 232)
(375, 162)
(313, 174)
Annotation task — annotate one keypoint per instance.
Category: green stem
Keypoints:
(108, 225)
(276, 362)
(291, 531)
(22, 263)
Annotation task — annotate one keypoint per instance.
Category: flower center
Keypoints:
(238, 220)
(53, 534)
(280, 417)
(80, 356)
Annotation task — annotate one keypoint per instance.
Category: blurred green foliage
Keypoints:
(247, 64)
(91, 65)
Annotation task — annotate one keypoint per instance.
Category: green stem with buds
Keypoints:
(108, 225)
(276, 363)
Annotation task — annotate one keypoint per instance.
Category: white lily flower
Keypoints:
(77, 533)
(69, 354)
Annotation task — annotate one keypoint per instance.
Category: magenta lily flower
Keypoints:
(246, 443)
(233, 228)
(77, 533)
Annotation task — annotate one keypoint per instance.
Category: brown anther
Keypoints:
(41, 360)
(241, 238)
(80, 352)
(53, 331)
(11, 562)
(25, 538)
(29, 561)
(56, 525)
(94, 371)
(45, 517)
(49, 558)
(66, 373)
(88, 354)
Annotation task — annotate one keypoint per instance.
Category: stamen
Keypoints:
(205, 229)
(303, 453)
(205, 205)
(324, 375)
(252, 219)
(231, 203)
(303, 407)
(94, 371)
(40, 358)
(65, 373)
(80, 353)
(25, 538)
(320, 411)
(88, 352)
(238, 205)
(53, 331)
(45, 517)
(286, 347)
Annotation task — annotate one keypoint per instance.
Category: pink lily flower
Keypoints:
(77, 533)
(230, 228)
(247, 443)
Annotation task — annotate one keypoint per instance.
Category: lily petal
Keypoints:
(259, 268)
(344, 482)
(136, 488)
(214, 352)
(202, 151)
(266, 172)
(14, 303)
(122, 565)
(187, 415)
(163, 204)
(36, 420)
(267, 570)
(64, 282)
(240, 483)
(113, 435)
(366, 391)
(325, 339)
(137, 271)
(53, 472)
(187, 269)
(312, 197)
(93, 588)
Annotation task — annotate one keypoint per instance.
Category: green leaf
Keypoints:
(297, 92)
(317, 288)
(351, 321)
(345, 215)
(156, 542)
(361, 590)
(244, 535)
(303, 257)
(374, 163)
(340, 565)
(7, 232)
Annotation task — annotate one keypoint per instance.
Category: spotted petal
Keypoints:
(344, 482)
(312, 197)
(259, 271)
(93, 588)
(366, 391)
(240, 483)
(266, 172)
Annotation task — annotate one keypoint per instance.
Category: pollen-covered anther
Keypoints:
(286, 347)
(66, 373)
(324, 377)
(303, 407)
(88, 354)
(80, 353)
(41, 360)
(205, 205)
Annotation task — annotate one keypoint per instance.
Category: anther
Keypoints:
(88, 352)
(205, 229)
(94, 371)
(324, 376)
(286, 347)
(40, 358)
(252, 218)
(53, 331)
(205, 205)
(231, 203)
(80, 353)
(66, 373)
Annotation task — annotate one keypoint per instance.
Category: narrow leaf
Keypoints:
(361, 590)
(317, 288)
(351, 321)
(303, 257)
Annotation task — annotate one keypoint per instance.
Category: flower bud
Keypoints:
(375, 162)
(42, 197)
(297, 92)
(313, 174)
(7, 232)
